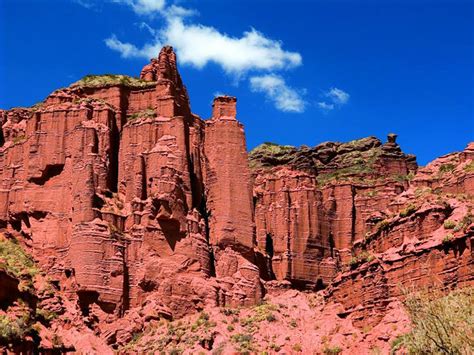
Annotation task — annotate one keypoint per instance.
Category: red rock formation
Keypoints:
(137, 210)
(312, 204)
(134, 169)
(368, 230)
(229, 193)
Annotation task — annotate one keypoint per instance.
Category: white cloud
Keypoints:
(144, 7)
(145, 26)
(274, 87)
(128, 50)
(198, 45)
(140, 7)
(336, 98)
(326, 106)
(178, 11)
(88, 4)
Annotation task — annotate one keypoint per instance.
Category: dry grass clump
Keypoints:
(441, 324)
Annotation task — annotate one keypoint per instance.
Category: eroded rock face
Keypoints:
(123, 190)
(361, 218)
(313, 203)
(137, 210)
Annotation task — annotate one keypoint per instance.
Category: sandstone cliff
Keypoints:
(120, 209)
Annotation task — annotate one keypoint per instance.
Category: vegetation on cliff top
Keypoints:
(271, 154)
(112, 80)
(356, 160)
(335, 159)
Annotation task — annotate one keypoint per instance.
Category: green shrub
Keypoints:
(409, 210)
(332, 350)
(244, 342)
(272, 148)
(297, 347)
(13, 329)
(148, 113)
(441, 324)
(270, 317)
(202, 322)
(371, 193)
(363, 257)
(275, 347)
(382, 225)
(259, 314)
(403, 178)
(230, 311)
(19, 139)
(397, 343)
(444, 168)
(15, 261)
(448, 224)
(353, 261)
(469, 167)
(448, 238)
(466, 221)
(45, 315)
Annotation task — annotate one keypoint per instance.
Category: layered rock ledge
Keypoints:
(125, 210)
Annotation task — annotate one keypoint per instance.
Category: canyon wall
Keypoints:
(119, 186)
(137, 209)
(363, 221)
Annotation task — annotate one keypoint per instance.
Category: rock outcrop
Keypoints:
(120, 188)
(363, 219)
(124, 209)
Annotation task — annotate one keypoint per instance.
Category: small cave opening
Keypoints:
(147, 285)
(125, 288)
(9, 291)
(15, 224)
(86, 298)
(205, 213)
(48, 173)
(301, 285)
(2, 138)
(320, 285)
(39, 215)
(269, 245)
(144, 194)
(331, 244)
(171, 230)
(95, 146)
(112, 178)
(97, 202)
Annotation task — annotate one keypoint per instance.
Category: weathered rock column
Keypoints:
(228, 188)
(229, 205)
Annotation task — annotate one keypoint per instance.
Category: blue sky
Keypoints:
(304, 72)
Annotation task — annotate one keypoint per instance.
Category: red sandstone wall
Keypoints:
(129, 200)
(229, 195)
